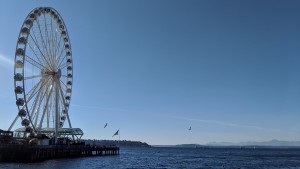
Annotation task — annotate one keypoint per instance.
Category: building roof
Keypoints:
(61, 131)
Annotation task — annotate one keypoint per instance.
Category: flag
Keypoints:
(117, 133)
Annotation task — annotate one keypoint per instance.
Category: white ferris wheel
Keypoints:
(43, 75)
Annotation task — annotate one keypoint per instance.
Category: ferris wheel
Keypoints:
(43, 72)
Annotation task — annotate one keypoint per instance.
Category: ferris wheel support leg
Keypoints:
(64, 103)
(56, 111)
(13, 123)
(70, 125)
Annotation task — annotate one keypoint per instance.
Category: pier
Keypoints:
(34, 153)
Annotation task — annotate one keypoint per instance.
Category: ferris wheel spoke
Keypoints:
(42, 37)
(47, 40)
(33, 105)
(45, 35)
(46, 106)
(34, 63)
(63, 66)
(58, 60)
(54, 44)
(38, 109)
(63, 84)
(52, 41)
(57, 47)
(35, 111)
(64, 76)
(55, 41)
(42, 83)
(58, 44)
(31, 77)
(39, 105)
(32, 91)
(42, 89)
(35, 40)
(37, 56)
(46, 61)
(32, 109)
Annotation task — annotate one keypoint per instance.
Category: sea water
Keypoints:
(161, 157)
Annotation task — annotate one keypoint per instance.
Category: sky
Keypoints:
(230, 70)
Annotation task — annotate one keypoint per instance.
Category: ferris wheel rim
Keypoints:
(52, 70)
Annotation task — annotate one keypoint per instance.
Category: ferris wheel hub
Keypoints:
(56, 74)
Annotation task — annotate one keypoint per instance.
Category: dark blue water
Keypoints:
(178, 158)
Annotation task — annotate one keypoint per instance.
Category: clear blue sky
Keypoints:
(230, 69)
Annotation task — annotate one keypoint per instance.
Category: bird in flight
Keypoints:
(105, 125)
(190, 128)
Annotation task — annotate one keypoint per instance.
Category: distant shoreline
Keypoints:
(121, 143)
(248, 144)
(233, 146)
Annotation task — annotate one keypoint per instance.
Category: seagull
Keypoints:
(190, 128)
(105, 125)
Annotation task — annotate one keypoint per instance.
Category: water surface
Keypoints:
(169, 158)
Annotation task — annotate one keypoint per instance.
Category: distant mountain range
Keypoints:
(273, 142)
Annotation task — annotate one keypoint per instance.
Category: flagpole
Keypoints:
(117, 133)
(119, 139)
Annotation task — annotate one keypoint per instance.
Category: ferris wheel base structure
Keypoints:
(49, 132)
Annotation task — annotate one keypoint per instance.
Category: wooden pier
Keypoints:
(33, 153)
